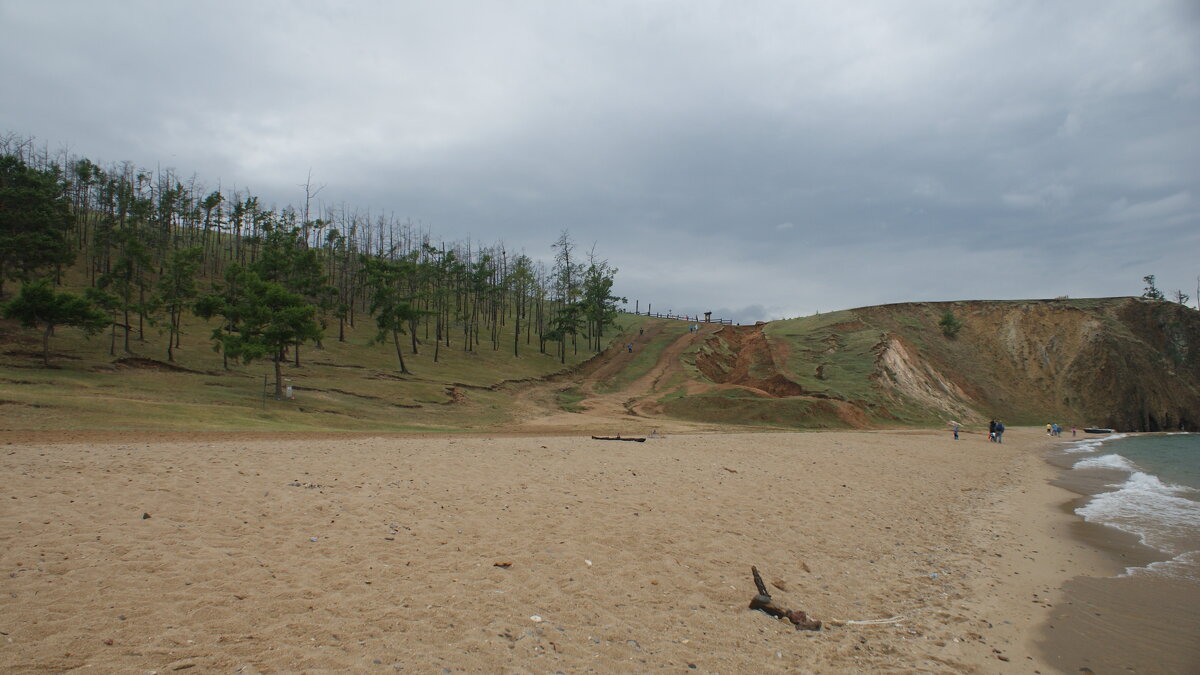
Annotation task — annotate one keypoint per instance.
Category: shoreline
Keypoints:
(1133, 622)
(1027, 538)
(370, 551)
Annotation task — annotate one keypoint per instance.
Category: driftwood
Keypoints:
(618, 438)
(763, 603)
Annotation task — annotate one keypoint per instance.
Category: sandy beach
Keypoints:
(531, 553)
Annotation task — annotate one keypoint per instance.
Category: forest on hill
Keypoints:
(121, 249)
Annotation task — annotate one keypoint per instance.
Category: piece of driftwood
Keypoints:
(618, 438)
(763, 603)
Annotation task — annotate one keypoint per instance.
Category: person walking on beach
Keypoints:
(999, 432)
(956, 431)
(1049, 430)
(992, 430)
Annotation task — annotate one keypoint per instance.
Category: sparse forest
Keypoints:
(154, 245)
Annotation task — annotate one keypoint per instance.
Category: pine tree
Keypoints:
(39, 306)
(35, 216)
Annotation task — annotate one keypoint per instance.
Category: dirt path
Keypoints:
(630, 410)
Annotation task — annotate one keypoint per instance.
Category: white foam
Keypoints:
(1092, 444)
(1113, 461)
(1082, 446)
(1156, 512)
(1185, 566)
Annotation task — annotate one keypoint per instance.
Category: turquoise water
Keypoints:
(1155, 496)
(1174, 458)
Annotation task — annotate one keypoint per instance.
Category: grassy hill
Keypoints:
(1126, 363)
(343, 386)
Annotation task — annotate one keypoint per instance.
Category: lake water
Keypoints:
(1147, 485)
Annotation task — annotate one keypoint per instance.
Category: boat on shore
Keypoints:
(1096, 430)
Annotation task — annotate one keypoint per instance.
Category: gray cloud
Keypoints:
(768, 158)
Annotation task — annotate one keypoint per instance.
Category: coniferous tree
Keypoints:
(392, 309)
(131, 224)
(35, 217)
(261, 318)
(129, 277)
(38, 305)
(176, 289)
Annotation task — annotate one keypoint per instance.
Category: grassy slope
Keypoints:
(1074, 361)
(345, 386)
(1118, 362)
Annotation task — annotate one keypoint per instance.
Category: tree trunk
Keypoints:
(46, 345)
(171, 338)
(279, 374)
(437, 338)
(128, 328)
(399, 352)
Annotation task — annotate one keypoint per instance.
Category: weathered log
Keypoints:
(763, 603)
(618, 438)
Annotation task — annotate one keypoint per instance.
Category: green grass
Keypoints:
(733, 406)
(837, 345)
(345, 386)
(644, 358)
(568, 400)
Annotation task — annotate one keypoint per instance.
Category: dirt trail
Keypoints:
(630, 410)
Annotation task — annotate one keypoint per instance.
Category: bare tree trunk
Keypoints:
(46, 345)
(399, 352)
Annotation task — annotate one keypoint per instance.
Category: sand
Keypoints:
(530, 554)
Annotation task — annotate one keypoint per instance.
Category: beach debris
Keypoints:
(535, 618)
(618, 438)
(763, 603)
(312, 539)
(505, 564)
(145, 516)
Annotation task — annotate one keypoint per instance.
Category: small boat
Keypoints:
(1096, 430)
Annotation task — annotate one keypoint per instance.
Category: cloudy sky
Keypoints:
(754, 159)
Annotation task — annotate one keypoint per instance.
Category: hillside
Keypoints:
(350, 385)
(1125, 363)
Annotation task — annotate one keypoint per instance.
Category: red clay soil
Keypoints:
(747, 351)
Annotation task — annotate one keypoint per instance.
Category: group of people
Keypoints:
(1053, 429)
(995, 431)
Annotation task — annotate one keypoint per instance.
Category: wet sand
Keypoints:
(515, 554)
(1144, 622)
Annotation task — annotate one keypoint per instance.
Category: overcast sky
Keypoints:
(758, 160)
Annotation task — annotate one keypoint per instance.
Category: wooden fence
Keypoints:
(684, 317)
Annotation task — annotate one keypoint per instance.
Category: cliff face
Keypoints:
(1125, 363)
